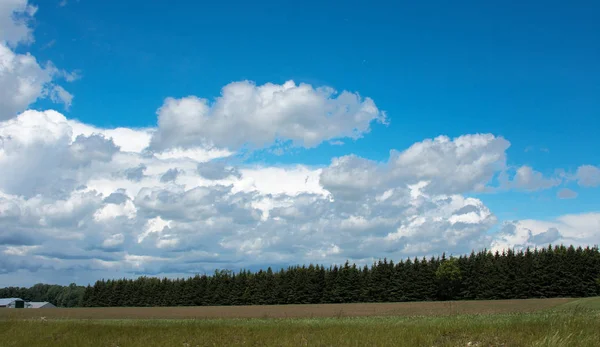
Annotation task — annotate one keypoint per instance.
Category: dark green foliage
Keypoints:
(541, 273)
(61, 296)
(449, 277)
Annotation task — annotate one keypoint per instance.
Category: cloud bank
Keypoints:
(78, 202)
(96, 201)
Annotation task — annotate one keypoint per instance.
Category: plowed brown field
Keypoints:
(293, 311)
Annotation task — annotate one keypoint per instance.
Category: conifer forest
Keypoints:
(554, 271)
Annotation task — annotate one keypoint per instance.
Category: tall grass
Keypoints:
(577, 325)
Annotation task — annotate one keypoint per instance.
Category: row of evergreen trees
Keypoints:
(541, 273)
(63, 296)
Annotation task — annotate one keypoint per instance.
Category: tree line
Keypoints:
(557, 271)
(62, 296)
(540, 273)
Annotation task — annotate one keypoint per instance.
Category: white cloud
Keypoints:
(22, 79)
(71, 76)
(15, 16)
(113, 241)
(588, 176)
(129, 140)
(442, 165)
(323, 253)
(466, 161)
(269, 180)
(351, 176)
(92, 202)
(38, 155)
(80, 199)
(566, 193)
(58, 94)
(528, 179)
(154, 225)
(259, 116)
(450, 222)
(573, 229)
(111, 211)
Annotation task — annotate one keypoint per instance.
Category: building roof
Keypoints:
(39, 304)
(6, 301)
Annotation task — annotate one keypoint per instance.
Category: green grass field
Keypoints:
(573, 323)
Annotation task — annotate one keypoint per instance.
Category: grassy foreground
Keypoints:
(576, 323)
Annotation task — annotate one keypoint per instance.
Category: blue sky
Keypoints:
(527, 72)
(436, 68)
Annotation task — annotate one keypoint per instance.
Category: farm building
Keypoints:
(43, 304)
(12, 303)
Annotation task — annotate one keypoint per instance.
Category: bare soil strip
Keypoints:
(293, 311)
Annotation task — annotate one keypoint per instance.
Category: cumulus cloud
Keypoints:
(135, 173)
(445, 166)
(58, 94)
(71, 76)
(527, 179)
(127, 139)
(86, 149)
(258, 116)
(588, 176)
(170, 175)
(23, 79)
(546, 237)
(462, 164)
(95, 202)
(75, 198)
(40, 155)
(216, 170)
(15, 16)
(572, 229)
(118, 207)
(352, 177)
(566, 193)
